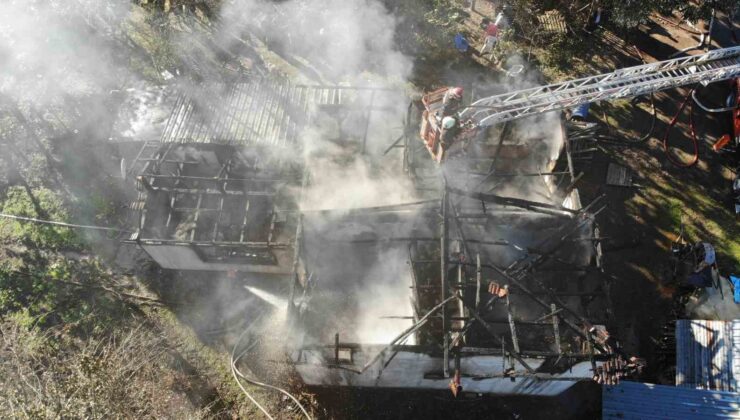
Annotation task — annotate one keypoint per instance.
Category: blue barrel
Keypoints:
(581, 111)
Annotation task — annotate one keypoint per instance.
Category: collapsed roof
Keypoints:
(500, 293)
(215, 207)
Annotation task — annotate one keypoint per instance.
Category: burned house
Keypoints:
(216, 207)
(487, 280)
(220, 188)
(473, 291)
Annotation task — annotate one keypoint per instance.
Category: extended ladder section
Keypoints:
(721, 64)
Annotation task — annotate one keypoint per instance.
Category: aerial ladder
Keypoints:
(713, 66)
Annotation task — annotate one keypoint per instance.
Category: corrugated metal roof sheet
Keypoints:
(708, 354)
(634, 400)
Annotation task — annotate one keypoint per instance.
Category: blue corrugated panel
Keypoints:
(634, 400)
(708, 354)
(735, 354)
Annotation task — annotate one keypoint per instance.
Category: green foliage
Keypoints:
(49, 291)
(40, 285)
(446, 14)
(104, 208)
(560, 52)
(630, 13)
(19, 202)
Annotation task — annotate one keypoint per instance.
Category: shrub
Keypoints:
(20, 202)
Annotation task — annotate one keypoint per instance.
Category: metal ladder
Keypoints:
(713, 66)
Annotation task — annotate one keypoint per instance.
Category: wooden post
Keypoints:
(443, 274)
(477, 281)
(296, 264)
(556, 328)
(336, 348)
(512, 325)
(367, 120)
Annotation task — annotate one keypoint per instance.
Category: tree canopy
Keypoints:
(630, 13)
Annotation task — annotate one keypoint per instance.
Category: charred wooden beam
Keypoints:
(556, 329)
(515, 202)
(443, 278)
(512, 325)
(477, 281)
(245, 245)
(542, 303)
(504, 344)
(208, 191)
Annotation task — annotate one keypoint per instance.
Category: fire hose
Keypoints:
(236, 373)
(731, 27)
(692, 95)
(710, 110)
(705, 40)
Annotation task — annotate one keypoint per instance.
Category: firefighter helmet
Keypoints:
(448, 122)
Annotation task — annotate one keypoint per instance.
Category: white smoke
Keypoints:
(343, 40)
(349, 43)
(52, 49)
(384, 292)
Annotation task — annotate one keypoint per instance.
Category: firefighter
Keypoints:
(449, 131)
(451, 101)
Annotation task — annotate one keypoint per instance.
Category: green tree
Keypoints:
(630, 13)
(28, 203)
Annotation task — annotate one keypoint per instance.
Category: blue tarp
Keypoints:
(461, 43)
(736, 287)
(581, 111)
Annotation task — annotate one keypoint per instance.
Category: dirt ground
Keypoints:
(642, 222)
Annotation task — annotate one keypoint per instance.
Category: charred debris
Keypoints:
(489, 281)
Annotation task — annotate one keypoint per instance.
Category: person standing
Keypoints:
(451, 101)
(490, 40)
(597, 20)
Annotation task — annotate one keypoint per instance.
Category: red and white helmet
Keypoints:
(457, 92)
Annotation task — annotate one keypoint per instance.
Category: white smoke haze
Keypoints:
(143, 112)
(543, 139)
(344, 40)
(343, 186)
(384, 291)
(339, 43)
(538, 136)
(359, 306)
(343, 177)
(48, 50)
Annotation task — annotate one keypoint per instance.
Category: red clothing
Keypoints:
(491, 29)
